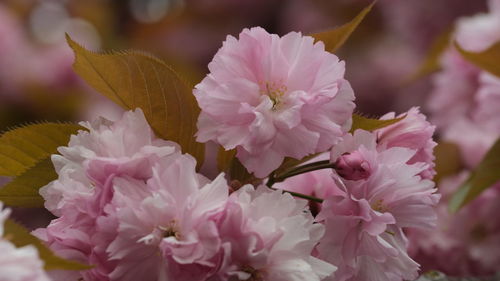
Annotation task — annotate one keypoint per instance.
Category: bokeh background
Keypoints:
(382, 56)
(37, 82)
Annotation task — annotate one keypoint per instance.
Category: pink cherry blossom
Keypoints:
(364, 226)
(127, 146)
(168, 227)
(18, 264)
(267, 235)
(393, 186)
(363, 242)
(413, 132)
(272, 97)
(82, 195)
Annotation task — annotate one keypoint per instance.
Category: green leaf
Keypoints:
(22, 191)
(369, 124)
(431, 62)
(335, 38)
(488, 60)
(448, 160)
(20, 237)
(23, 147)
(486, 174)
(134, 79)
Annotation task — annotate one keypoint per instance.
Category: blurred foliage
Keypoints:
(486, 60)
(485, 175)
(438, 276)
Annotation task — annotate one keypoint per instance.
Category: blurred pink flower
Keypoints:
(272, 97)
(413, 132)
(169, 227)
(488, 102)
(466, 243)
(18, 264)
(13, 50)
(267, 235)
(453, 91)
(459, 89)
(479, 32)
(475, 143)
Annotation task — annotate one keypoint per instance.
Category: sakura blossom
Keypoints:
(18, 264)
(276, 174)
(392, 185)
(81, 196)
(363, 242)
(169, 226)
(413, 132)
(104, 148)
(267, 235)
(261, 98)
(383, 194)
(465, 243)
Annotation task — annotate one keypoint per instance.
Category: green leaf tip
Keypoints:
(21, 237)
(487, 60)
(21, 148)
(335, 38)
(485, 175)
(370, 124)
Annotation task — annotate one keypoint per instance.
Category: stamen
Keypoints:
(275, 91)
(255, 275)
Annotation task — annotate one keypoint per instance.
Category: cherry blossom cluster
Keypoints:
(464, 105)
(134, 207)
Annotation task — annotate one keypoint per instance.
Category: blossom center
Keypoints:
(275, 91)
(379, 206)
(255, 275)
(171, 230)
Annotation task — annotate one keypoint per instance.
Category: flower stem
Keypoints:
(300, 195)
(273, 178)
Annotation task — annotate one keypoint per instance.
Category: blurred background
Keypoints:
(382, 57)
(37, 82)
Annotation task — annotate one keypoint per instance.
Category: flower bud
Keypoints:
(352, 166)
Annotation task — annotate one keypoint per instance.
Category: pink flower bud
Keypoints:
(352, 166)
